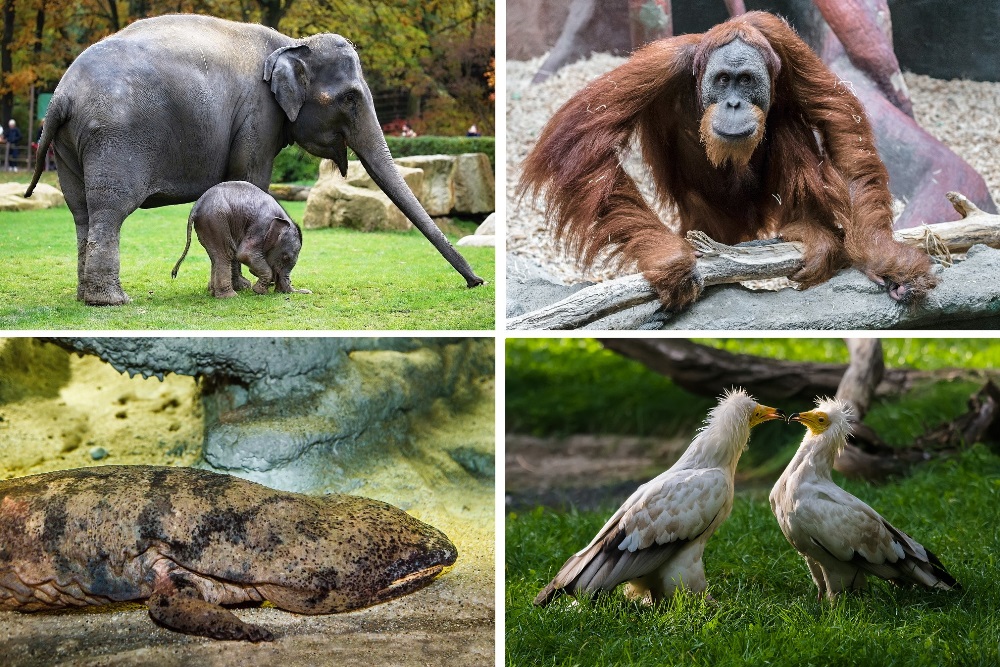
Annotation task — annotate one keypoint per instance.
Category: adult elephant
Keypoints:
(163, 110)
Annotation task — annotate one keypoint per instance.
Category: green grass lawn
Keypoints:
(765, 609)
(390, 280)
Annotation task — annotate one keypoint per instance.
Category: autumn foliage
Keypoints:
(439, 50)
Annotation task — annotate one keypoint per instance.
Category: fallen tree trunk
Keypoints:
(707, 371)
(720, 264)
(867, 457)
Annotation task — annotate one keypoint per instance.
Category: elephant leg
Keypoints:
(258, 266)
(220, 285)
(101, 284)
(263, 282)
(239, 281)
(76, 199)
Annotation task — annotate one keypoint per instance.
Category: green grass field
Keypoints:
(390, 280)
(765, 610)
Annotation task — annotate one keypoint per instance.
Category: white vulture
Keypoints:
(842, 539)
(656, 539)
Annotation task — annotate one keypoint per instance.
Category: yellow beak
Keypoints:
(814, 420)
(764, 413)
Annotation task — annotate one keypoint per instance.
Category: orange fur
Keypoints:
(735, 152)
(832, 194)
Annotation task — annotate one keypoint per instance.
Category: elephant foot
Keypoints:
(111, 295)
(260, 287)
(228, 294)
(242, 284)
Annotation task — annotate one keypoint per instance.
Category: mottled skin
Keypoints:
(238, 223)
(190, 540)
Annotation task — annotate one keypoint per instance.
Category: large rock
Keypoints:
(313, 413)
(438, 197)
(475, 187)
(354, 200)
(443, 184)
(44, 196)
(455, 184)
(478, 241)
(287, 192)
(488, 226)
(485, 236)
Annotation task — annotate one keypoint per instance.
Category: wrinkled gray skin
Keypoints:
(161, 111)
(238, 223)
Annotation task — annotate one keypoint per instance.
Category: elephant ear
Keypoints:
(277, 226)
(286, 71)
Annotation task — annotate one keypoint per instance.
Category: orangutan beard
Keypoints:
(737, 152)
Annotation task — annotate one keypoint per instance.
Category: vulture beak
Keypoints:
(764, 413)
(815, 421)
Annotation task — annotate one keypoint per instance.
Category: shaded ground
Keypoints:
(582, 471)
(451, 622)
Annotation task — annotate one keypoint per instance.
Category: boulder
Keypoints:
(488, 226)
(438, 197)
(484, 236)
(44, 196)
(322, 414)
(478, 240)
(443, 184)
(968, 297)
(354, 201)
(287, 192)
(475, 187)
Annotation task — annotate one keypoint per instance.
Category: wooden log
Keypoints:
(719, 264)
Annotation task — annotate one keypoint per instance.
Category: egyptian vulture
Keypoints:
(842, 539)
(656, 539)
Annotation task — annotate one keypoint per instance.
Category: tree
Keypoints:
(708, 371)
(438, 50)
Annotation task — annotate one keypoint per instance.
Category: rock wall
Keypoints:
(313, 413)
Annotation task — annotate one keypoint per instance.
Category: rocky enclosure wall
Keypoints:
(308, 413)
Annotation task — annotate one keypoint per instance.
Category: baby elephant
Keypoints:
(238, 223)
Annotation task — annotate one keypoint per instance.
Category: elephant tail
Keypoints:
(187, 246)
(55, 116)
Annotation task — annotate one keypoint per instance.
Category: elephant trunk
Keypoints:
(374, 154)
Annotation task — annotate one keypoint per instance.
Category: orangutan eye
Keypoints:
(723, 79)
(744, 80)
